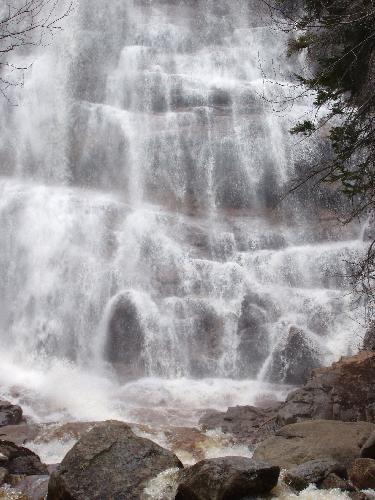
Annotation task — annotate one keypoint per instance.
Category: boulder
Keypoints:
(109, 458)
(229, 478)
(10, 414)
(296, 444)
(362, 474)
(20, 461)
(313, 472)
(344, 391)
(245, 422)
(293, 362)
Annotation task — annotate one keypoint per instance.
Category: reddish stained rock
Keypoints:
(344, 391)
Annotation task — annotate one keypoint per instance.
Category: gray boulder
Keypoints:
(10, 414)
(296, 444)
(229, 478)
(109, 461)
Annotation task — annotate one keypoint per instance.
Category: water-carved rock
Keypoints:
(293, 362)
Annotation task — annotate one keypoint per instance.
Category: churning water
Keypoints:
(144, 258)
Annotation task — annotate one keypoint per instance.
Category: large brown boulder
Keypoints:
(10, 414)
(109, 458)
(344, 391)
(229, 478)
(296, 444)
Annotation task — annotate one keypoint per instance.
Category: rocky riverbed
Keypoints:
(319, 443)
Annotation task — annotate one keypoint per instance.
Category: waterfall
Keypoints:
(142, 232)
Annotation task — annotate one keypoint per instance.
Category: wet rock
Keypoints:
(20, 461)
(249, 423)
(125, 335)
(362, 474)
(368, 449)
(344, 391)
(296, 444)
(313, 472)
(293, 362)
(254, 345)
(206, 345)
(229, 478)
(112, 458)
(10, 414)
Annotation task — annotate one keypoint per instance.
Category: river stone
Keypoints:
(109, 458)
(229, 478)
(313, 472)
(10, 414)
(362, 474)
(296, 444)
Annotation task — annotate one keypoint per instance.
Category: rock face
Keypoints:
(296, 444)
(20, 461)
(229, 478)
(313, 472)
(362, 473)
(344, 391)
(293, 362)
(246, 422)
(109, 458)
(10, 414)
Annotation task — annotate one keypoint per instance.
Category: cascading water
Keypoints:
(140, 238)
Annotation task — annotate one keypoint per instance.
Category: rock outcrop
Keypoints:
(299, 443)
(344, 391)
(229, 478)
(10, 414)
(109, 458)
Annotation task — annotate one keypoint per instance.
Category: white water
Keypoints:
(139, 175)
